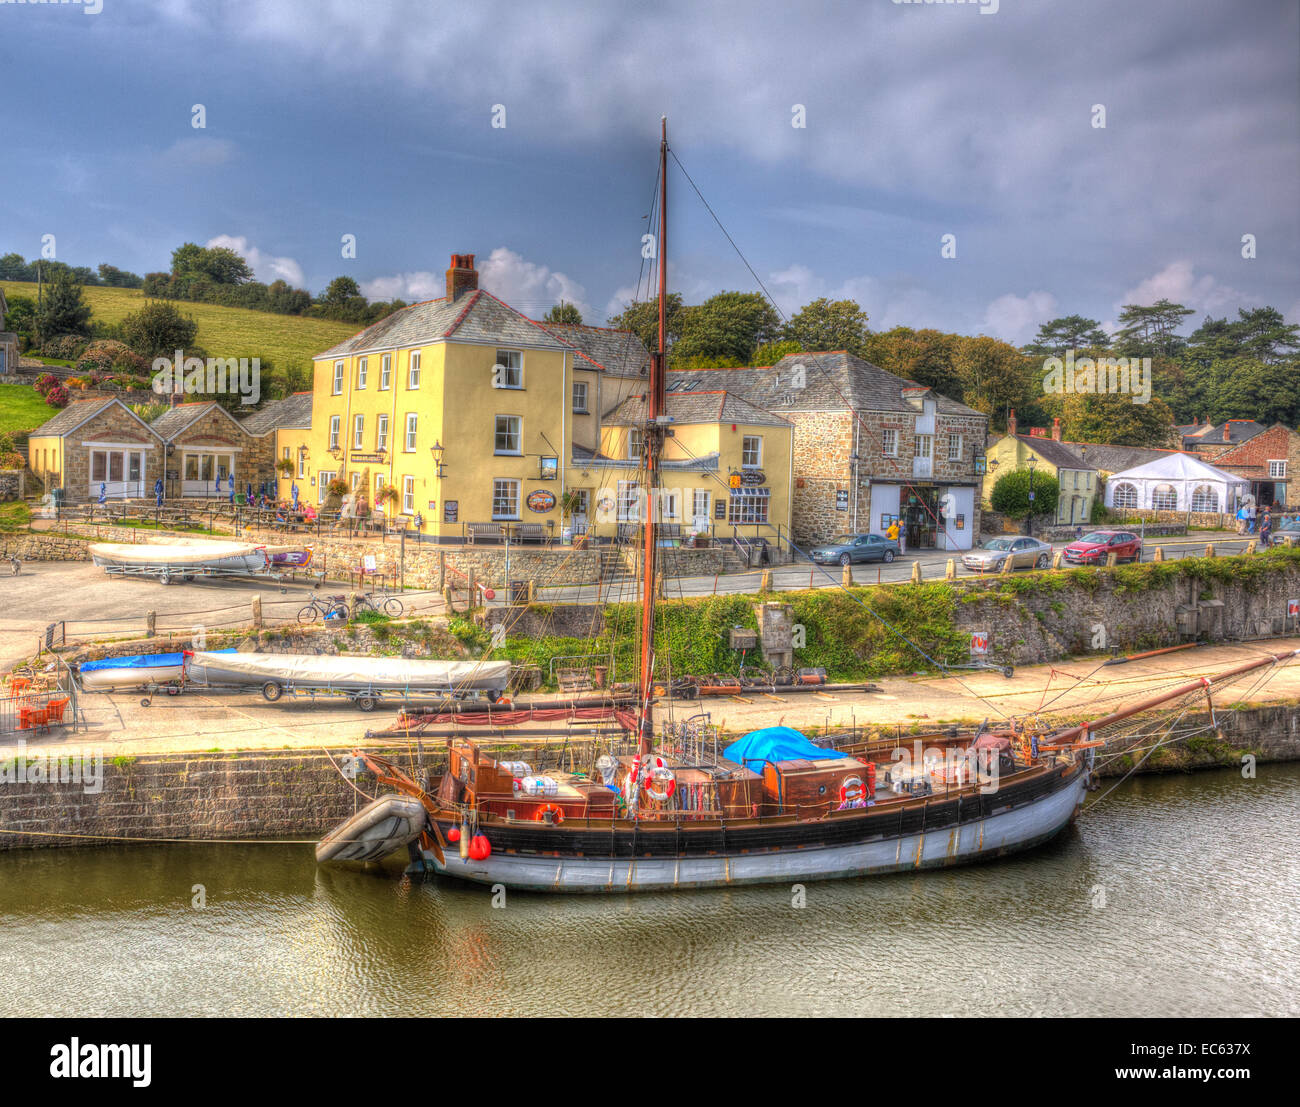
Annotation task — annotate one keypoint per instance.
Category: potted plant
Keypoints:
(569, 503)
(284, 467)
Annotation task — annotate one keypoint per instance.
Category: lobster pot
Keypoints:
(539, 786)
(515, 768)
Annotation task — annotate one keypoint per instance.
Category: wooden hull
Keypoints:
(664, 859)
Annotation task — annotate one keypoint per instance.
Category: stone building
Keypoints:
(869, 447)
(1267, 460)
(206, 445)
(283, 427)
(93, 446)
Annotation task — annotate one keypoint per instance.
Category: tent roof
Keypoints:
(1176, 467)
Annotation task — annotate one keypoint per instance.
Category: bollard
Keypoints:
(353, 599)
(1056, 559)
(442, 569)
(1209, 549)
(1250, 547)
(846, 576)
(950, 573)
(1006, 564)
(916, 572)
(532, 591)
(765, 581)
(1112, 559)
(257, 612)
(1158, 554)
(151, 621)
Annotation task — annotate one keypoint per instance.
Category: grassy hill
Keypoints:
(21, 408)
(286, 340)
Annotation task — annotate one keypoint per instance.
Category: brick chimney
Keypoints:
(1227, 432)
(1056, 428)
(1011, 423)
(462, 277)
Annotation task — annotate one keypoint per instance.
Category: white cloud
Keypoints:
(412, 287)
(1178, 282)
(266, 268)
(1016, 319)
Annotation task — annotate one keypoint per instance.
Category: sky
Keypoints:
(374, 118)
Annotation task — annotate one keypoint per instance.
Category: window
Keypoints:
(356, 481)
(955, 445)
(381, 432)
(580, 397)
(1205, 497)
(509, 434)
(1164, 498)
(408, 495)
(509, 370)
(1126, 496)
(629, 501)
(322, 486)
(700, 506)
(924, 445)
(358, 431)
(751, 451)
(505, 499)
(410, 432)
(385, 372)
(379, 484)
(1277, 470)
(334, 432)
(302, 465)
(748, 505)
(338, 378)
(413, 371)
(362, 366)
(889, 442)
(635, 443)
(670, 501)
(286, 453)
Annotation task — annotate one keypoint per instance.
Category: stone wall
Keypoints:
(114, 424)
(13, 484)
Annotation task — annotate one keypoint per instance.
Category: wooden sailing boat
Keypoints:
(779, 809)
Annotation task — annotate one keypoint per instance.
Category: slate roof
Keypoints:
(1113, 459)
(619, 353)
(292, 411)
(476, 317)
(174, 420)
(1057, 453)
(71, 417)
(1239, 430)
(830, 379)
(695, 407)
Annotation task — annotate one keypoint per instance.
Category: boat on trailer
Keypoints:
(171, 559)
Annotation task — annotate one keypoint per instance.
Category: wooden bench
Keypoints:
(493, 532)
(530, 532)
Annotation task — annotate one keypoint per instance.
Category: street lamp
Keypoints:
(1029, 519)
(438, 450)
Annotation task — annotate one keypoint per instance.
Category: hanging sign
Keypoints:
(541, 500)
(1292, 608)
(979, 643)
(753, 476)
(450, 510)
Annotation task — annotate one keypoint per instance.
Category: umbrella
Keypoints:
(158, 491)
(232, 488)
(294, 492)
(103, 492)
(249, 495)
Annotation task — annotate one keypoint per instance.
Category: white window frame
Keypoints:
(627, 505)
(338, 378)
(925, 446)
(757, 451)
(1277, 469)
(513, 375)
(635, 443)
(385, 372)
(322, 483)
(1126, 496)
(500, 485)
(381, 432)
(335, 429)
(517, 433)
(956, 447)
(888, 442)
(356, 481)
(302, 465)
(748, 506)
(408, 495)
(580, 405)
(413, 371)
(379, 484)
(700, 496)
(358, 431)
(363, 366)
(412, 428)
(1166, 490)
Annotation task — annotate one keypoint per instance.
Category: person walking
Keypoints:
(1266, 529)
(894, 534)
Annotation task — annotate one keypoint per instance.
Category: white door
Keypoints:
(884, 502)
(958, 505)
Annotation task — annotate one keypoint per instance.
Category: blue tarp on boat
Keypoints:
(775, 743)
(138, 661)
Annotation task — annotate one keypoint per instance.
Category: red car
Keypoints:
(1093, 548)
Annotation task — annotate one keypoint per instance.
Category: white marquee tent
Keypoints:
(1177, 482)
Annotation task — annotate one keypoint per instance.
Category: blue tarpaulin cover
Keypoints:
(138, 661)
(775, 743)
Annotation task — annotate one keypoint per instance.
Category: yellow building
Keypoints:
(1077, 483)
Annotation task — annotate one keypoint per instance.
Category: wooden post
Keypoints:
(765, 581)
(472, 575)
(1209, 549)
(353, 598)
(151, 619)
(1112, 559)
(257, 612)
(846, 576)
(442, 569)
(950, 571)
(1158, 554)
(532, 591)
(1250, 547)
(1006, 565)
(916, 572)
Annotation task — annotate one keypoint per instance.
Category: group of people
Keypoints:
(1250, 521)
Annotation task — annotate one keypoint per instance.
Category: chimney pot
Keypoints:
(1011, 423)
(1056, 429)
(1227, 432)
(462, 277)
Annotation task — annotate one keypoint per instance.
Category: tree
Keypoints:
(829, 325)
(63, 309)
(341, 290)
(924, 356)
(1147, 331)
(118, 278)
(730, 326)
(1011, 493)
(563, 315)
(218, 264)
(1261, 390)
(21, 318)
(158, 330)
(772, 352)
(994, 375)
(1114, 419)
(1070, 332)
(641, 317)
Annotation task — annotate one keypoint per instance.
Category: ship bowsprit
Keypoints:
(381, 827)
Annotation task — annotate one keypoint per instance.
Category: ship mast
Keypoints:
(653, 438)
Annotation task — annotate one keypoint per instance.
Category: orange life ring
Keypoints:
(659, 772)
(554, 810)
(852, 790)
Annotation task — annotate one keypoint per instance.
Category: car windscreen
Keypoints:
(998, 544)
(842, 540)
(1098, 536)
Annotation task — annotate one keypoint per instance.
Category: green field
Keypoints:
(21, 408)
(285, 340)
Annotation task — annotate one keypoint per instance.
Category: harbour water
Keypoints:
(1176, 897)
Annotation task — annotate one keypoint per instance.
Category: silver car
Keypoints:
(1024, 552)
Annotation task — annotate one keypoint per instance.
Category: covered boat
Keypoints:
(113, 674)
(167, 557)
(363, 679)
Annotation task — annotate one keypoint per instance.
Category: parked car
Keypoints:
(1024, 552)
(1093, 548)
(848, 548)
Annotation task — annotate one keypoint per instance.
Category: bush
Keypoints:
(44, 383)
(67, 347)
(1011, 494)
(58, 397)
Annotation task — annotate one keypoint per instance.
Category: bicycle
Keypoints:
(332, 607)
(388, 605)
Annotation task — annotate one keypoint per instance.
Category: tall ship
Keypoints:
(664, 808)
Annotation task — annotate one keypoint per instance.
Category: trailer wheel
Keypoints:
(271, 691)
(144, 702)
(366, 703)
(164, 578)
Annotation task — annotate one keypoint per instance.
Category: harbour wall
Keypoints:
(300, 794)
